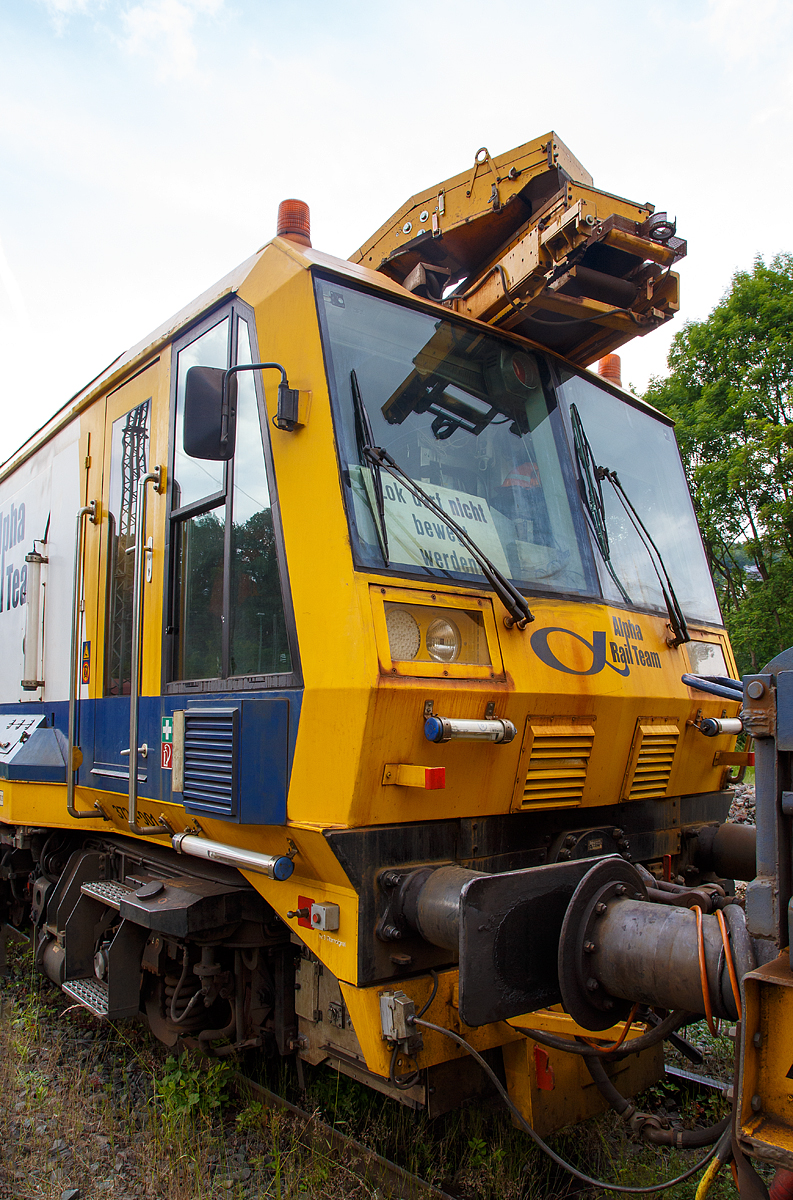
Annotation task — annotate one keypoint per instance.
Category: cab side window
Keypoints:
(228, 616)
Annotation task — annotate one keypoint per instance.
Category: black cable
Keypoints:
(546, 1149)
(669, 1025)
(408, 1081)
(580, 320)
(433, 994)
(404, 1082)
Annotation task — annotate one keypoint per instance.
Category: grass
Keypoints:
(110, 1111)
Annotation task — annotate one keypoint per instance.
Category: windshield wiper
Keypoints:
(516, 604)
(372, 483)
(592, 496)
(676, 619)
(590, 477)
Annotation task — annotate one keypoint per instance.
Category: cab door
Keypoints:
(231, 662)
(135, 440)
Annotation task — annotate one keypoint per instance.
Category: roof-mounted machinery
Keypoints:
(525, 242)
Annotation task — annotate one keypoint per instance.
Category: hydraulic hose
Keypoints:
(682, 1139)
(669, 1025)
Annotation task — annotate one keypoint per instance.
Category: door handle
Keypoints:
(143, 751)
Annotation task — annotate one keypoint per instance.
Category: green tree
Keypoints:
(730, 393)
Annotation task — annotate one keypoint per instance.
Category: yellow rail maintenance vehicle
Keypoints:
(358, 648)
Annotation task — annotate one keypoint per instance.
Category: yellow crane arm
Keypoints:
(526, 242)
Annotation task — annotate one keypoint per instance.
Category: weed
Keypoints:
(251, 1117)
(191, 1089)
(35, 1084)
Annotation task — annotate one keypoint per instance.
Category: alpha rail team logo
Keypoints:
(552, 646)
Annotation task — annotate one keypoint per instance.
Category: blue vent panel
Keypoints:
(211, 753)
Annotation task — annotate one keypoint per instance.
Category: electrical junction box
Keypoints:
(395, 1008)
(324, 916)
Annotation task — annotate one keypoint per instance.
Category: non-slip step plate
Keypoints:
(91, 993)
(109, 891)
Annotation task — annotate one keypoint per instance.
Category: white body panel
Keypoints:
(44, 490)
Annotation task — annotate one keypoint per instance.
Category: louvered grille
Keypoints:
(558, 763)
(651, 761)
(210, 759)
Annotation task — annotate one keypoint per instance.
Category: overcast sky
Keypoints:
(144, 146)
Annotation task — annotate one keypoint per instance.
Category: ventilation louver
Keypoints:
(210, 759)
(558, 763)
(650, 762)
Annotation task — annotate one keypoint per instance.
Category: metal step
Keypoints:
(109, 891)
(91, 993)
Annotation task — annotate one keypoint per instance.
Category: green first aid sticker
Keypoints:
(167, 729)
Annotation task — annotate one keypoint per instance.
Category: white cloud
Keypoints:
(745, 29)
(164, 29)
(61, 10)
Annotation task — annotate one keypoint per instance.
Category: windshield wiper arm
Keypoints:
(516, 604)
(365, 439)
(592, 496)
(676, 619)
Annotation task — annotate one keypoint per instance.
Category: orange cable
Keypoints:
(616, 1045)
(703, 972)
(725, 937)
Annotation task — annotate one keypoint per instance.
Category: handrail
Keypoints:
(88, 510)
(155, 477)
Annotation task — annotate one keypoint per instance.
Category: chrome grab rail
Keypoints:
(88, 510)
(142, 552)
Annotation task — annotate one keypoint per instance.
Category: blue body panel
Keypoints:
(42, 759)
(268, 723)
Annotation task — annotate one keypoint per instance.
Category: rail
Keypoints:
(385, 1175)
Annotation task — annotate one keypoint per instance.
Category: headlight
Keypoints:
(404, 637)
(443, 640)
(706, 658)
(430, 636)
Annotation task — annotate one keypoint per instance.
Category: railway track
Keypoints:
(385, 1176)
(388, 1178)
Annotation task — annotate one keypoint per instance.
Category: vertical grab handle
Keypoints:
(72, 766)
(142, 554)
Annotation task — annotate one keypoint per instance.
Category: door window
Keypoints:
(129, 452)
(228, 613)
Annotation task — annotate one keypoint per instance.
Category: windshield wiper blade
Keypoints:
(592, 496)
(676, 619)
(371, 484)
(514, 602)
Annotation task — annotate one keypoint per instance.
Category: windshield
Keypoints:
(476, 421)
(473, 420)
(610, 434)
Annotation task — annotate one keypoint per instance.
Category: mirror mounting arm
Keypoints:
(288, 398)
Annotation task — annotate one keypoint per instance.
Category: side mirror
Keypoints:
(210, 418)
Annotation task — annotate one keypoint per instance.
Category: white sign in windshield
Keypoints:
(417, 536)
